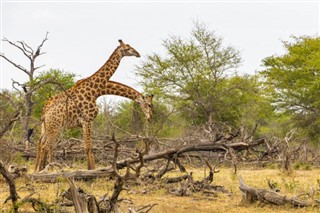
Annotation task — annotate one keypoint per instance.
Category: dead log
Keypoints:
(77, 175)
(177, 179)
(83, 202)
(251, 195)
(166, 154)
(210, 146)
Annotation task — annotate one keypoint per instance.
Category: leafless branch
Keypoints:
(44, 40)
(115, 158)
(39, 67)
(40, 46)
(16, 65)
(233, 158)
(14, 87)
(25, 47)
(27, 53)
(253, 131)
(289, 136)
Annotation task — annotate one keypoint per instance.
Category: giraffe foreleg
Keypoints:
(87, 139)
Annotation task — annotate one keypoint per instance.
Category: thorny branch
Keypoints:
(15, 64)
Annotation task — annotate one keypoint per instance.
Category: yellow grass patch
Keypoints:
(293, 184)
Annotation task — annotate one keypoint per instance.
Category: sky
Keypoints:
(83, 34)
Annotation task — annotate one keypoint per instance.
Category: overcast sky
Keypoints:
(82, 35)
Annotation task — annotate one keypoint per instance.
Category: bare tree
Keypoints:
(27, 89)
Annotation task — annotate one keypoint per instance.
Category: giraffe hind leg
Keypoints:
(87, 139)
(44, 152)
(43, 159)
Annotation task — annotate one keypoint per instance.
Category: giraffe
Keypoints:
(112, 88)
(77, 106)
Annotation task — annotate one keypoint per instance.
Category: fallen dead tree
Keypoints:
(251, 195)
(166, 154)
(84, 202)
(188, 185)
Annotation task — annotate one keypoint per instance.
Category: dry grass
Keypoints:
(293, 184)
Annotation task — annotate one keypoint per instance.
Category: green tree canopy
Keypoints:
(293, 80)
(197, 77)
(130, 118)
(64, 79)
(191, 73)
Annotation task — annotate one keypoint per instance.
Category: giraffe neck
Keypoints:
(109, 67)
(95, 85)
(115, 88)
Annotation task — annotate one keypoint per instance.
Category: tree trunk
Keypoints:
(27, 118)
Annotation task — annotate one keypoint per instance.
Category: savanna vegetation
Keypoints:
(211, 125)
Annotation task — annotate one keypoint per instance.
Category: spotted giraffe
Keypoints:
(77, 107)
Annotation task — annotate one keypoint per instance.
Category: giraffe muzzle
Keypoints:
(137, 55)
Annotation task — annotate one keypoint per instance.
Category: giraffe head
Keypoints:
(127, 50)
(146, 106)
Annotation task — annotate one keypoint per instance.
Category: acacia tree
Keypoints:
(293, 82)
(197, 76)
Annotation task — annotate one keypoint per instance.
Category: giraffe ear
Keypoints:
(149, 98)
(121, 42)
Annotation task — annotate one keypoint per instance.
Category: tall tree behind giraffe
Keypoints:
(77, 107)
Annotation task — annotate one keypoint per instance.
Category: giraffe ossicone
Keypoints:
(77, 107)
